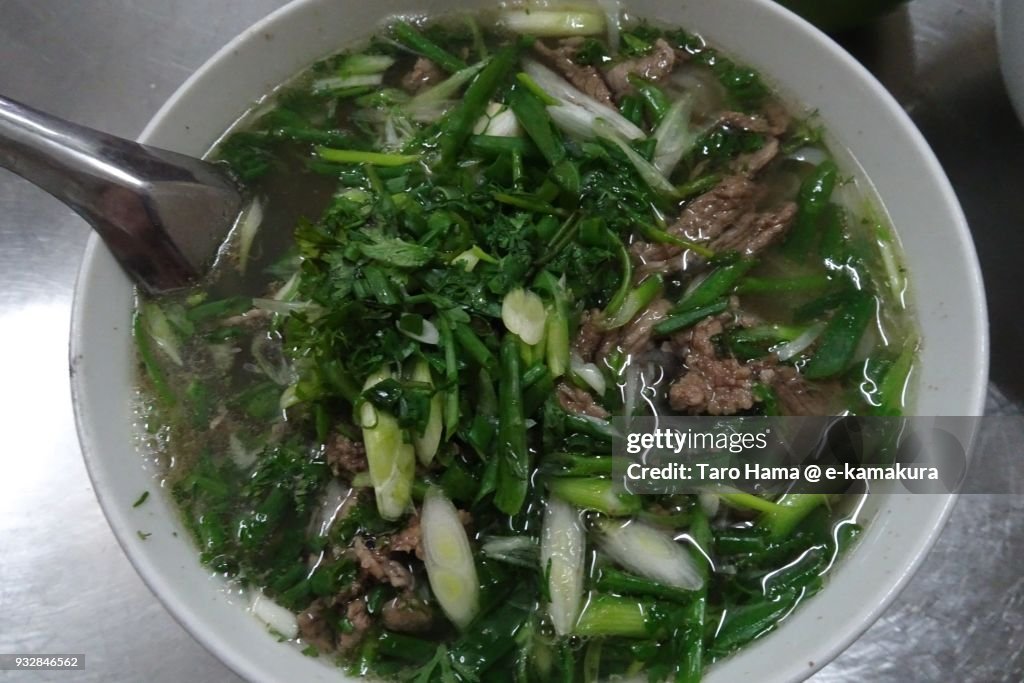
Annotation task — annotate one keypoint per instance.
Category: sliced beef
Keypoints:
(725, 218)
(346, 457)
(252, 319)
(703, 219)
(578, 401)
(651, 67)
(635, 337)
(754, 162)
(424, 74)
(710, 385)
(360, 622)
(588, 338)
(651, 252)
(755, 232)
(378, 566)
(714, 384)
(585, 78)
(353, 589)
(407, 614)
(774, 121)
(799, 396)
(409, 539)
(314, 628)
(708, 216)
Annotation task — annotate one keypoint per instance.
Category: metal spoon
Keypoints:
(163, 215)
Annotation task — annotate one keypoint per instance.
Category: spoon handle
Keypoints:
(162, 214)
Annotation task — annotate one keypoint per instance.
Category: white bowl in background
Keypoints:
(1010, 32)
(860, 115)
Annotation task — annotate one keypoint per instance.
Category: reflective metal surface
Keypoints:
(66, 586)
(162, 214)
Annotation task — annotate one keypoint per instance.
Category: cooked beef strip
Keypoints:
(313, 626)
(755, 232)
(710, 385)
(708, 216)
(753, 163)
(424, 74)
(251, 319)
(361, 622)
(408, 540)
(652, 67)
(651, 252)
(703, 219)
(345, 456)
(586, 78)
(407, 614)
(578, 401)
(773, 121)
(799, 396)
(588, 338)
(723, 217)
(353, 590)
(635, 337)
(378, 566)
(716, 385)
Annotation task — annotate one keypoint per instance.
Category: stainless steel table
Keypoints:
(65, 586)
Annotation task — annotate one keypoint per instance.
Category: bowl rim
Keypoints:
(244, 666)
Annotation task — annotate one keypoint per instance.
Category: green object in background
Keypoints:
(838, 15)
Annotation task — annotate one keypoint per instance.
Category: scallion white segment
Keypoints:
(448, 559)
(426, 444)
(446, 89)
(798, 345)
(273, 615)
(560, 89)
(392, 461)
(553, 23)
(562, 558)
(428, 333)
(161, 332)
(365, 64)
(574, 120)
(648, 552)
(523, 313)
(353, 81)
(650, 174)
(284, 307)
(589, 373)
(673, 136)
(247, 229)
(613, 20)
(521, 551)
(499, 121)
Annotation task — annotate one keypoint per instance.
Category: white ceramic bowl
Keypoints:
(808, 66)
